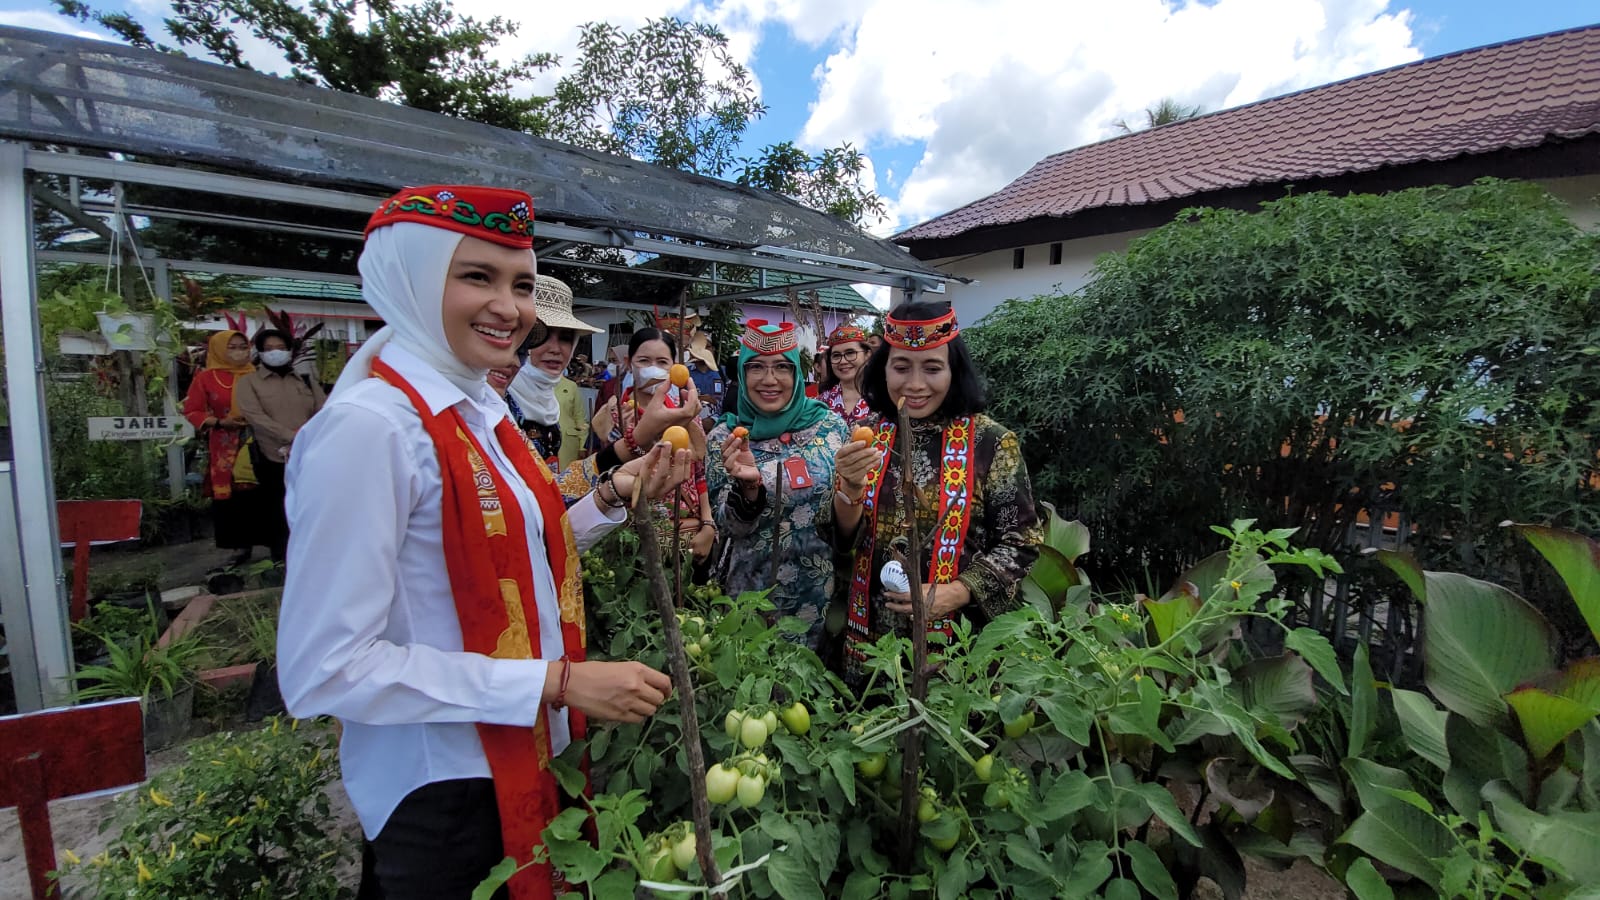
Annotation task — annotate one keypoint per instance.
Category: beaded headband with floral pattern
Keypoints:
(924, 335)
(769, 339)
(848, 334)
(500, 215)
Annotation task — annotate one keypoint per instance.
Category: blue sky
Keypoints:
(953, 98)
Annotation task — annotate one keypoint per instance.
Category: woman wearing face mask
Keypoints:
(974, 506)
(277, 403)
(843, 363)
(650, 357)
(435, 604)
(209, 406)
(543, 401)
(792, 438)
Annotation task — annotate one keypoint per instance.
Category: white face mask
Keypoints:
(643, 378)
(276, 358)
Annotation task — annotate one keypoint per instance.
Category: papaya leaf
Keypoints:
(1577, 560)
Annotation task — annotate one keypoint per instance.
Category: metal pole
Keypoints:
(176, 471)
(30, 437)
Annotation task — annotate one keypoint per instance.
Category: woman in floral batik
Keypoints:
(975, 514)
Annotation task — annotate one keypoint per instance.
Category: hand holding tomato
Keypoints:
(739, 462)
(852, 463)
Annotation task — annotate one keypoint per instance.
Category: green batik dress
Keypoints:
(743, 556)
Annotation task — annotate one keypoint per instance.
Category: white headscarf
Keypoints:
(534, 389)
(403, 271)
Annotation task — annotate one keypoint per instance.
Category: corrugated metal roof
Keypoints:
(1514, 95)
(94, 94)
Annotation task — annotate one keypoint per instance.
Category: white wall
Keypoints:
(995, 279)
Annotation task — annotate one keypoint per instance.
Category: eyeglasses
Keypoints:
(845, 355)
(779, 370)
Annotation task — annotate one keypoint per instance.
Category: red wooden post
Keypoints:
(86, 522)
(63, 753)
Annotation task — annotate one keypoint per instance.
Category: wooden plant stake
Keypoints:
(677, 504)
(911, 745)
(682, 682)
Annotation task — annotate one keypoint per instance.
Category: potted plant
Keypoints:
(161, 675)
(261, 636)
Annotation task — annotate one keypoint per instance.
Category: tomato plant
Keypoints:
(1056, 746)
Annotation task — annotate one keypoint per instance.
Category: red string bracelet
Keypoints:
(566, 676)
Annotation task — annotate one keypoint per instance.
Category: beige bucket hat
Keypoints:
(553, 299)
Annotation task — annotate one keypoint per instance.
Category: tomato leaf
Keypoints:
(497, 877)
(1151, 872)
(791, 876)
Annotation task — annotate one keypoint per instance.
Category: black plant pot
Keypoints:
(265, 699)
(225, 583)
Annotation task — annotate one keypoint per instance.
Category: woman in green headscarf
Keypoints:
(769, 528)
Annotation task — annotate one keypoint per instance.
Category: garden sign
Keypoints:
(138, 428)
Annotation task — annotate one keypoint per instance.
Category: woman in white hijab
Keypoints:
(433, 601)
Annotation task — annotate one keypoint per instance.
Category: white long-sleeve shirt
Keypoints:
(368, 630)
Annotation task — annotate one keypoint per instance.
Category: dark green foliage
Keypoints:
(1430, 350)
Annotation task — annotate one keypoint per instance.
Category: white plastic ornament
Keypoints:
(894, 577)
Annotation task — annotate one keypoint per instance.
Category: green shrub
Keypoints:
(1429, 350)
(247, 816)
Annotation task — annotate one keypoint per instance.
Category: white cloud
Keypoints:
(45, 21)
(992, 86)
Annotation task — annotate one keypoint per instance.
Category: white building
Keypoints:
(1527, 109)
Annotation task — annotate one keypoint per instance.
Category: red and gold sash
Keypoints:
(491, 579)
(948, 539)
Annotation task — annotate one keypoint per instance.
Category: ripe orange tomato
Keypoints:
(678, 375)
(677, 436)
(863, 433)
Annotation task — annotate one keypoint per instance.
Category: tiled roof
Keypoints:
(1513, 95)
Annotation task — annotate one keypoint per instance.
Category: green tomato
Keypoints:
(683, 852)
(944, 845)
(752, 733)
(1020, 725)
(770, 719)
(731, 724)
(927, 811)
(722, 782)
(751, 789)
(983, 767)
(658, 867)
(797, 719)
(872, 766)
(997, 796)
(693, 650)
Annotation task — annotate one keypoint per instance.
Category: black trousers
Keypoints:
(270, 488)
(441, 841)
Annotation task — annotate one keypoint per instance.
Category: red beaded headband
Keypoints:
(500, 215)
(924, 335)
